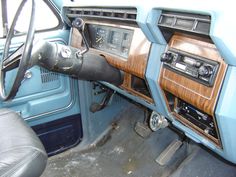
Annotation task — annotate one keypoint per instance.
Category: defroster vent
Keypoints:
(193, 23)
(124, 14)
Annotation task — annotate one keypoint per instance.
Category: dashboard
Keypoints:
(173, 63)
(124, 47)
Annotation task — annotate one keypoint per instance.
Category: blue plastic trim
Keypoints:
(147, 20)
(225, 115)
(152, 26)
(152, 75)
(141, 20)
(98, 124)
(58, 3)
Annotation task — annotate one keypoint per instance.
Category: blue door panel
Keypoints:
(46, 95)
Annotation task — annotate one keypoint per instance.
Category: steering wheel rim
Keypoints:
(26, 54)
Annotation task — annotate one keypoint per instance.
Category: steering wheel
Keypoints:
(19, 58)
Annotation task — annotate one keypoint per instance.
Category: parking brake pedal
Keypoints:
(95, 107)
(169, 152)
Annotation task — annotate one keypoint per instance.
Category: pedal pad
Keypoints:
(169, 152)
(142, 130)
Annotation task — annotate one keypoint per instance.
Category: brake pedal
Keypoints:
(169, 152)
(142, 130)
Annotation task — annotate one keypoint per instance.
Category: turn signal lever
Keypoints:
(81, 64)
(78, 23)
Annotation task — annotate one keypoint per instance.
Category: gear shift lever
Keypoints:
(78, 23)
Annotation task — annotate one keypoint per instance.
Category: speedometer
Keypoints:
(100, 37)
(99, 40)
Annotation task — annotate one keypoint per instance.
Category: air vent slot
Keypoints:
(124, 14)
(48, 76)
(193, 23)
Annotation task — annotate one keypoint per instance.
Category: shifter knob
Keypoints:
(78, 23)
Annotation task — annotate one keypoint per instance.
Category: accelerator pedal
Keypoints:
(169, 152)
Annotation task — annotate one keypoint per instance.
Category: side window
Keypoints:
(1, 24)
(44, 16)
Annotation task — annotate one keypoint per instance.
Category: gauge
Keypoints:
(100, 37)
(115, 38)
(99, 40)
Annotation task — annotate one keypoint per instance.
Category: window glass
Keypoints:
(1, 26)
(44, 17)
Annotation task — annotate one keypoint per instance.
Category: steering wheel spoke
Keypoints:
(13, 60)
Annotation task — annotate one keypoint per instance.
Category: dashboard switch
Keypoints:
(205, 71)
(167, 57)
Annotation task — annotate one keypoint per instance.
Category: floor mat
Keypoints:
(125, 154)
(202, 163)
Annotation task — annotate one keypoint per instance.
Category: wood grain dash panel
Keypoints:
(127, 86)
(138, 54)
(197, 94)
(136, 62)
(76, 39)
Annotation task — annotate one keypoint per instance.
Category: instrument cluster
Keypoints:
(111, 39)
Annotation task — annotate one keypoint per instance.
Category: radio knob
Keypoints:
(205, 71)
(167, 57)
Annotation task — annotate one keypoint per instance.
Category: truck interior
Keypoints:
(117, 88)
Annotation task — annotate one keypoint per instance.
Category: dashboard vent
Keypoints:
(194, 23)
(124, 14)
(48, 76)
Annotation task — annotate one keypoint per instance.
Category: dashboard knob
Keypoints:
(205, 71)
(78, 23)
(167, 57)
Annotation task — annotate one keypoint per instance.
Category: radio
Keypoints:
(202, 120)
(200, 69)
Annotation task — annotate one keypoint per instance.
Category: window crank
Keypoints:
(28, 75)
